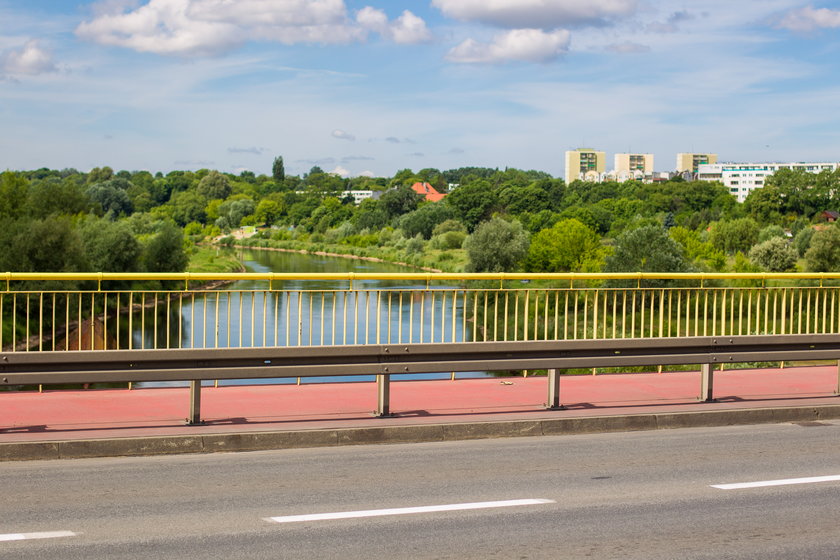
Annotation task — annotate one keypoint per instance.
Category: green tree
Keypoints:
(278, 172)
(473, 203)
(774, 255)
(802, 241)
(734, 235)
(214, 185)
(824, 252)
(13, 194)
(398, 201)
(188, 206)
(165, 251)
(496, 246)
(110, 246)
(568, 246)
(424, 220)
(647, 249)
(770, 232)
(111, 197)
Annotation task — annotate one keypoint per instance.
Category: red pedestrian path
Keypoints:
(96, 414)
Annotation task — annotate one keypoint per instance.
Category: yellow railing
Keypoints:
(102, 311)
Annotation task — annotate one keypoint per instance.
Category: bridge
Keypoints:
(99, 327)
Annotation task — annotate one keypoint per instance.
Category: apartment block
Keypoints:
(692, 162)
(743, 178)
(585, 164)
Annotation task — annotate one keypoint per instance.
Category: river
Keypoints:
(266, 326)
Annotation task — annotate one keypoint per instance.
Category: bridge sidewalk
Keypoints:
(110, 414)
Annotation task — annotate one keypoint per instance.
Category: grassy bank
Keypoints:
(213, 259)
(452, 260)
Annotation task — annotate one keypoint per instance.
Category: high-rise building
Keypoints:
(631, 163)
(586, 165)
(743, 178)
(691, 162)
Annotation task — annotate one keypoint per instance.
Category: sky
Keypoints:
(370, 87)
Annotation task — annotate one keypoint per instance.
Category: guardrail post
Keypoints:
(383, 396)
(195, 404)
(554, 391)
(707, 378)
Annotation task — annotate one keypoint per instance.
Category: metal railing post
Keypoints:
(707, 378)
(195, 404)
(383, 396)
(837, 390)
(554, 391)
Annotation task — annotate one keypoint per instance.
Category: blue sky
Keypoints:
(375, 86)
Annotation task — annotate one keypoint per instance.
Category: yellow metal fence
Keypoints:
(65, 312)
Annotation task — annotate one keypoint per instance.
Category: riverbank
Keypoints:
(432, 260)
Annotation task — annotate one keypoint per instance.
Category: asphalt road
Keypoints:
(646, 495)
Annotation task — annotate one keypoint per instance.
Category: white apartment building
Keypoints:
(743, 178)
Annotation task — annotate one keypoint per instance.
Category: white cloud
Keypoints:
(810, 18)
(207, 27)
(627, 47)
(524, 45)
(30, 59)
(406, 29)
(543, 14)
(340, 171)
(342, 135)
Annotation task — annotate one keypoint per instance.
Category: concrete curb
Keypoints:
(261, 441)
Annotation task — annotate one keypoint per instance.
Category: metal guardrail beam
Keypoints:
(22, 368)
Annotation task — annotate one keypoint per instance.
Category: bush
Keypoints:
(774, 255)
(496, 246)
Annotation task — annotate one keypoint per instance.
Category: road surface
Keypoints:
(645, 495)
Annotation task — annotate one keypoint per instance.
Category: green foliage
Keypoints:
(425, 219)
(496, 246)
(398, 201)
(802, 241)
(109, 246)
(214, 185)
(278, 171)
(473, 203)
(647, 249)
(701, 253)
(188, 206)
(824, 253)
(165, 251)
(111, 197)
(770, 232)
(232, 212)
(13, 194)
(734, 235)
(774, 255)
(568, 246)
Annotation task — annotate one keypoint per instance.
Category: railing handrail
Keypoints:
(415, 276)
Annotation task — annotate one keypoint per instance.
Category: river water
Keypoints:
(244, 331)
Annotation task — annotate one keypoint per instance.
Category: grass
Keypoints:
(212, 259)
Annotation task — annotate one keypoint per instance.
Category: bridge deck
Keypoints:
(95, 414)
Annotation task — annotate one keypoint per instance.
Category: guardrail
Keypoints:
(105, 311)
(21, 368)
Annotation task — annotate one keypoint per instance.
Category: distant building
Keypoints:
(630, 163)
(585, 165)
(743, 178)
(692, 162)
(428, 191)
(358, 196)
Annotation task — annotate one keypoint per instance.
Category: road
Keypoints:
(645, 495)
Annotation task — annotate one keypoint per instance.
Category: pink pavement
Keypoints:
(97, 414)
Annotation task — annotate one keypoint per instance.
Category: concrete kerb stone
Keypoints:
(256, 441)
(127, 447)
(29, 451)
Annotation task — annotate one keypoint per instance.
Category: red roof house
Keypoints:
(428, 191)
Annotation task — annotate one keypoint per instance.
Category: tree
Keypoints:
(496, 246)
(473, 203)
(188, 206)
(774, 255)
(647, 249)
(214, 185)
(734, 235)
(165, 251)
(13, 194)
(111, 197)
(398, 201)
(824, 252)
(110, 246)
(568, 246)
(278, 172)
(770, 232)
(231, 212)
(424, 220)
